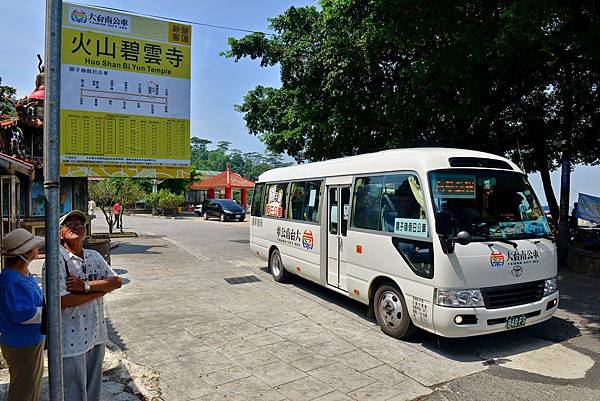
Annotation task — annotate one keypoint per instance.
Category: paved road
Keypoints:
(212, 340)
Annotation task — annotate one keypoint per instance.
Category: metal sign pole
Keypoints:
(52, 191)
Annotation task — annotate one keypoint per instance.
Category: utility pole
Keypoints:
(154, 190)
(52, 192)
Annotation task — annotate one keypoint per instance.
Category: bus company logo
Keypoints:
(497, 259)
(290, 236)
(516, 271)
(101, 20)
(523, 257)
(79, 16)
(308, 241)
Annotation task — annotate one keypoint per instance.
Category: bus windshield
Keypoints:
(489, 204)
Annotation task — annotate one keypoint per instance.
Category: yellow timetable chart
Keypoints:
(125, 95)
(151, 142)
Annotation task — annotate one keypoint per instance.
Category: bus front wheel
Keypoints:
(392, 313)
(277, 270)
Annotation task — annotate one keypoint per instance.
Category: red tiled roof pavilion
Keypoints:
(229, 180)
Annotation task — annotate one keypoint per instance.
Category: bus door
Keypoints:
(338, 212)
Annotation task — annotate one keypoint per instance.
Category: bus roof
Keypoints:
(416, 159)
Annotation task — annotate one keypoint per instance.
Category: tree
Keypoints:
(7, 100)
(169, 201)
(513, 78)
(249, 165)
(112, 190)
(152, 200)
(165, 200)
(103, 193)
(128, 192)
(198, 150)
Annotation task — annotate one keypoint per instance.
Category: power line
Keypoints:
(177, 20)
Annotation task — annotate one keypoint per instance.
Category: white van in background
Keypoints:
(449, 240)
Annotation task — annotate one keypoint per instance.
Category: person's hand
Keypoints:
(117, 282)
(75, 284)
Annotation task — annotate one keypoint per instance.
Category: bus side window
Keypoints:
(333, 210)
(258, 200)
(402, 201)
(366, 212)
(275, 200)
(304, 201)
(345, 210)
(297, 200)
(312, 198)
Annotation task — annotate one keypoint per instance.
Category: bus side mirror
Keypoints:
(463, 238)
(444, 223)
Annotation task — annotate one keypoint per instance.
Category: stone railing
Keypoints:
(584, 261)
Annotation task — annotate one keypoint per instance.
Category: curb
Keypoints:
(130, 234)
(149, 216)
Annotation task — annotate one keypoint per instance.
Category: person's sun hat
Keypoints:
(19, 242)
(73, 213)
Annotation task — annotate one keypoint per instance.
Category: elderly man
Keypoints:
(85, 278)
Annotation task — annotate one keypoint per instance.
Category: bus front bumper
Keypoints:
(478, 321)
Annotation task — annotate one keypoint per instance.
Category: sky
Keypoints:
(217, 83)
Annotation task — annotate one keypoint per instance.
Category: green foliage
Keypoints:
(7, 99)
(361, 76)
(128, 191)
(125, 191)
(152, 199)
(169, 200)
(515, 78)
(102, 192)
(165, 200)
(249, 165)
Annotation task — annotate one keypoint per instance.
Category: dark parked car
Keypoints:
(224, 209)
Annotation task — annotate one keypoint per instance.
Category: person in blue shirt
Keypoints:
(21, 303)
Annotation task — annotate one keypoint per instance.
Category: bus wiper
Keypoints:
(479, 231)
(503, 240)
(533, 236)
(506, 241)
(549, 236)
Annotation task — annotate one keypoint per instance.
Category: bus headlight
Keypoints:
(459, 298)
(550, 286)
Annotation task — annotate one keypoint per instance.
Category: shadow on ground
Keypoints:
(114, 336)
(121, 273)
(126, 248)
(240, 241)
(121, 380)
(579, 295)
(488, 349)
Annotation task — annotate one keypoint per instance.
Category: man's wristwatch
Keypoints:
(86, 286)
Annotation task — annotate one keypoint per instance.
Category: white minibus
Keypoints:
(449, 240)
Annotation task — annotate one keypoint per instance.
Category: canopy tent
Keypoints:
(588, 208)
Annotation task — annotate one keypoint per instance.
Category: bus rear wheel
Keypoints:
(277, 270)
(391, 312)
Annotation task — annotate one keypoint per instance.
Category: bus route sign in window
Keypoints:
(275, 203)
(455, 186)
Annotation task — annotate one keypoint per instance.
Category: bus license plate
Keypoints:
(514, 322)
